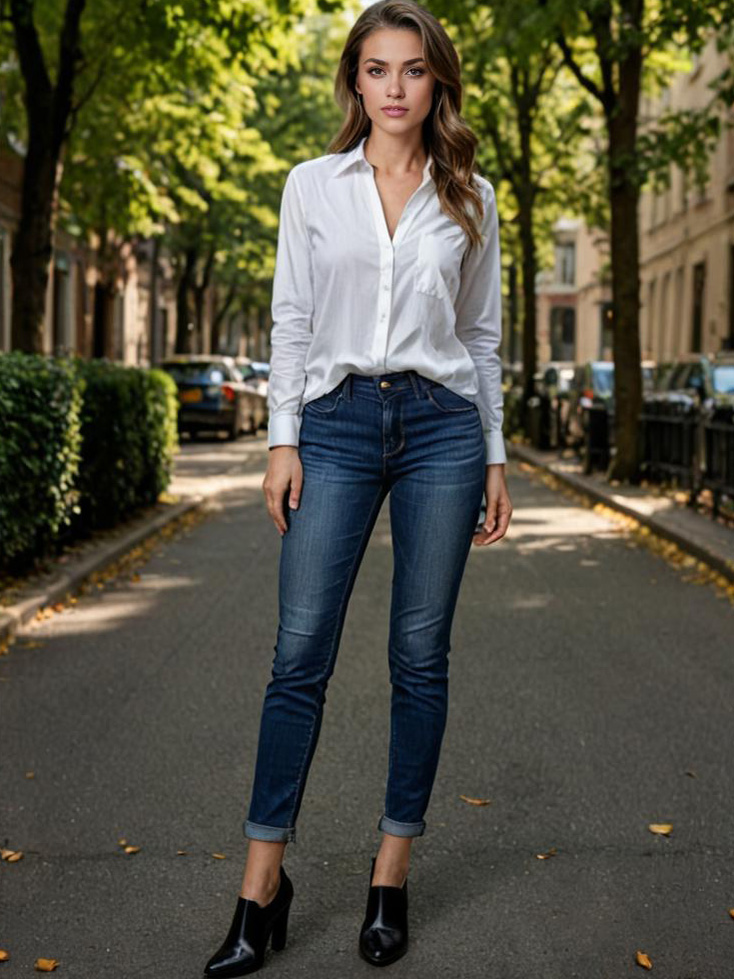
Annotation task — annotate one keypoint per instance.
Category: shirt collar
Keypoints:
(357, 156)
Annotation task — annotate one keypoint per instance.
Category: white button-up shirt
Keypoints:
(347, 297)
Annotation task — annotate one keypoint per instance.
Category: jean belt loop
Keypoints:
(416, 381)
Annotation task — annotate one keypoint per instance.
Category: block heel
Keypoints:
(280, 931)
(243, 950)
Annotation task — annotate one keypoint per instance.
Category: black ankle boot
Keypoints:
(243, 950)
(384, 935)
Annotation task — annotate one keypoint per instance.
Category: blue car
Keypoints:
(212, 395)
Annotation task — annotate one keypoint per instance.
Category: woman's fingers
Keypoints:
(284, 478)
(499, 511)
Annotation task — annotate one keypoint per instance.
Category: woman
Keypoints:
(385, 379)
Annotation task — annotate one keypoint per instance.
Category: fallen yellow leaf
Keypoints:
(14, 857)
(549, 853)
(122, 842)
(45, 965)
(662, 829)
(132, 849)
(181, 853)
(475, 802)
(731, 912)
(4, 956)
(219, 856)
(643, 960)
(30, 774)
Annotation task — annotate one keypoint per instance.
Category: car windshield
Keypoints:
(199, 373)
(724, 379)
(604, 380)
(247, 371)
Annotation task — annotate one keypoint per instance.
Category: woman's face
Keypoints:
(392, 72)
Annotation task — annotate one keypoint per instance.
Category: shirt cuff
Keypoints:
(495, 445)
(283, 429)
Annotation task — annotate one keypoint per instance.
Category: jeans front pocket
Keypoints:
(449, 401)
(327, 403)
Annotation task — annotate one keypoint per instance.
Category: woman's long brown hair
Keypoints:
(448, 137)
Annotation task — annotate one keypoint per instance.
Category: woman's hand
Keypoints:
(499, 507)
(284, 476)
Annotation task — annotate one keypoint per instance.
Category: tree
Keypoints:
(613, 48)
(71, 59)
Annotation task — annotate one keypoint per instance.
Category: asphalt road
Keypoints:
(591, 695)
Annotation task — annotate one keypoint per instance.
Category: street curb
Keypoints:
(13, 617)
(685, 543)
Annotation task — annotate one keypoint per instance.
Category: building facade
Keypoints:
(687, 236)
(686, 255)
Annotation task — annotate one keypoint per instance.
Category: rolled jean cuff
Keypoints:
(271, 834)
(395, 828)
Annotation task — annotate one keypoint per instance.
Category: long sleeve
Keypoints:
(479, 326)
(292, 312)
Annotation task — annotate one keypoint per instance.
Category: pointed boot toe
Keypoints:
(383, 937)
(243, 950)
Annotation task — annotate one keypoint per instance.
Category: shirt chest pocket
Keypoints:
(436, 270)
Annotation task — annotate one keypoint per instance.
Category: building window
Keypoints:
(61, 306)
(563, 333)
(566, 263)
(650, 314)
(606, 332)
(664, 333)
(699, 286)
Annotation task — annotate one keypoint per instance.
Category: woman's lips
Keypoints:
(394, 112)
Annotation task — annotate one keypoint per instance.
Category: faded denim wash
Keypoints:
(422, 444)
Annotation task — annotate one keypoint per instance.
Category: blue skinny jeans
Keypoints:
(410, 437)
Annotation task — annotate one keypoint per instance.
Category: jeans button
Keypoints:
(384, 384)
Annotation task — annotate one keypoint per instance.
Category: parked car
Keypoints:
(212, 395)
(593, 385)
(708, 380)
(262, 370)
(257, 391)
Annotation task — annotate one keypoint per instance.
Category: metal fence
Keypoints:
(679, 442)
(692, 446)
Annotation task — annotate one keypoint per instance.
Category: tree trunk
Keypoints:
(48, 109)
(184, 335)
(33, 244)
(625, 260)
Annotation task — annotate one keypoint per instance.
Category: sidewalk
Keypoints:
(708, 540)
(202, 471)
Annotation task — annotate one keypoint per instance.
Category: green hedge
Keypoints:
(40, 442)
(83, 444)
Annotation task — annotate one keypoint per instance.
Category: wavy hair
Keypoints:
(451, 141)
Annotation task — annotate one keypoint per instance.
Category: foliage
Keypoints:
(85, 444)
(40, 451)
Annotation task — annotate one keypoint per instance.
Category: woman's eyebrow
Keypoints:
(410, 61)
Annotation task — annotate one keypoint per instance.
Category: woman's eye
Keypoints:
(419, 70)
